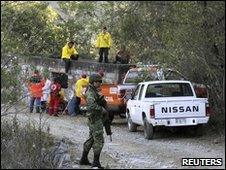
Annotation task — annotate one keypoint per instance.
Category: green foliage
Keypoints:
(20, 146)
(185, 35)
(81, 25)
(10, 82)
(31, 29)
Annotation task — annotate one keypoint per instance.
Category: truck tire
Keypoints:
(148, 129)
(198, 130)
(131, 126)
(122, 115)
(122, 112)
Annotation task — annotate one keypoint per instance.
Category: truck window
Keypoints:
(168, 90)
(135, 96)
(173, 75)
(135, 76)
(141, 91)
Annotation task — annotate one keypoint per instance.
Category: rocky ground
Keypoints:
(130, 149)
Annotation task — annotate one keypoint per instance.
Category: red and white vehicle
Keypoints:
(169, 103)
(154, 72)
(117, 94)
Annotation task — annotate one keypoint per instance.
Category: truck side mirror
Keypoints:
(130, 96)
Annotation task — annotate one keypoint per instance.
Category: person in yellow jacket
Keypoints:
(69, 52)
(80, 87)
(104, 42)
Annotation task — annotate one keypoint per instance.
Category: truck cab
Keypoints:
(170, 103)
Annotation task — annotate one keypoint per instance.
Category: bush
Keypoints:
(217, 123)
(21, 147)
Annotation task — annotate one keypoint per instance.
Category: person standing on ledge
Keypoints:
(104, 43)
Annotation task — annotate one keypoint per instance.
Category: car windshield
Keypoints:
(135, 76)
(173, 75)
(168, 90)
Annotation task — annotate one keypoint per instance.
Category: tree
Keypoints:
(186, 36)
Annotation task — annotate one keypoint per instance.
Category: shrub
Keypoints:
(21, 147)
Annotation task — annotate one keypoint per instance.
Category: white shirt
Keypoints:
(46, 90)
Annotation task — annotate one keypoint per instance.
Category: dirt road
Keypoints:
(131, 150)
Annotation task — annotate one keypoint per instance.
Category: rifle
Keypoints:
(106, 122)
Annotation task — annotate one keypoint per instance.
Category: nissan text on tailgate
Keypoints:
(169, 103)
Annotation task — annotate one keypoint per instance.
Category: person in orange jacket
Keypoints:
(54, 97)
(35, 85)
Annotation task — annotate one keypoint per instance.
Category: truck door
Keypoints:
(138, 108)
(136, 113)
(133, 102)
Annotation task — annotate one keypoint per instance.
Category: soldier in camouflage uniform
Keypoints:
(95, 115)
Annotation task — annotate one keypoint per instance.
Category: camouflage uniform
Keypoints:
(95, 116)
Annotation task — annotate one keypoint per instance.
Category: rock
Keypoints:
(59, 156)
(76, 166)
(215, 141)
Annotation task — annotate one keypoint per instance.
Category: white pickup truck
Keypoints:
(165, 103)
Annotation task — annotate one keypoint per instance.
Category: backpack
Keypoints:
(63, 80)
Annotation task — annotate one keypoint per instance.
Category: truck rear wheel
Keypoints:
(198, 130)
(122, 115)
(132, 126)
(148, 130)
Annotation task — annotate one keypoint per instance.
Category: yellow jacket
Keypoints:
(104, 40)
(80, 85)
(67, 52)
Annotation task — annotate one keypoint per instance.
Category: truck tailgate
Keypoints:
(180, 108)
(110, 92)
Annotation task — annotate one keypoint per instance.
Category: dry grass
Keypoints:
(21, 147)
(216, 124)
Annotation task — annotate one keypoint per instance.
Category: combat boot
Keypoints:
(43, 106)
(84, 160)
(37, 109)
(96, 162)
(31, 109)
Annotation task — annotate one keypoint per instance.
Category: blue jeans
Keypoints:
(77, 104)
(73, 106)
(37, 101)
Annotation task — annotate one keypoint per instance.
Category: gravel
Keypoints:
(130, 149)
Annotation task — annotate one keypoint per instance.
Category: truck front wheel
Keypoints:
(132, 126)
(148, 130)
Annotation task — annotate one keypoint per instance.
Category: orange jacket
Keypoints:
(36, 89)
